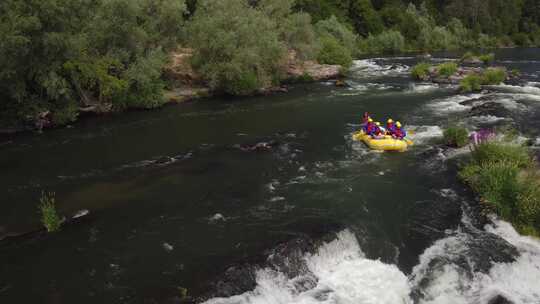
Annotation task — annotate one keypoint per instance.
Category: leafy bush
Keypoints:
(68, 113)
(468, 56)
(365, 18)
(390, 42)
(295, 29)
(437, 38)
(332, 52)
(55, 53)
(447, 69)
(340, 32)
(521, 39)
(237, 48)
(49, 216)
(471, 83)
(493, 76)
(420, 71)
(487, 58)
(486, 42)
(456, 136)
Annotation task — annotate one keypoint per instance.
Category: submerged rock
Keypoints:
(490, 109)
(499, 299)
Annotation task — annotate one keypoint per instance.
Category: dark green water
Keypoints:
(152, 179)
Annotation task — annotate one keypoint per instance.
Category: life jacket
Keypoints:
(400, 133)
(390, 128)
(369, 128)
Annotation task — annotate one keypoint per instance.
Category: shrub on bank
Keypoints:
(388, 42)
(447, 69)
(340, 32)
(237, 47)
(65, 114)
(456, 136)
(504, 176)
(420, 71)
(332, 52)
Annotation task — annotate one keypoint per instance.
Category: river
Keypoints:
(176, 204)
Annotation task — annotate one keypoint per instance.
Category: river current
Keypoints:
(178, 203)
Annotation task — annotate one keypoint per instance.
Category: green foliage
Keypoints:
(295, 29)
(456, 136)
(521, 39)
(49, 216)
(447, 69)
(487, 58)
(468, 56)
(344, 36)
(486, 41)
(503, 175)
(332, 52)
(56, 52)
(237, 49)
(437, 38)
(471, 83)
(365, 19)
(388, 42)
(66, 114)
(495, 151)
(420, 71)
(493, 76)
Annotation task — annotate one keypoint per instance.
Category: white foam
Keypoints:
(420, 134)
(337, 273)
(517, 281)
(452, 104)
(370, 68)
(517, 89)
(486, 119)
(216, 217)
(422, 87)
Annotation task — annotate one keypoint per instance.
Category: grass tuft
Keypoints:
(49, 216)
(456, 136)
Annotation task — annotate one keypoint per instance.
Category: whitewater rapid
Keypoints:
(339, 272)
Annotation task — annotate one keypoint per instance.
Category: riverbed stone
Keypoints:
(490, 108)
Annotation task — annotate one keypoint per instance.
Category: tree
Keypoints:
(237, 49)
(365, 18)
(340, 32)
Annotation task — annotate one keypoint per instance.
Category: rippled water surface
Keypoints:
(176, 202)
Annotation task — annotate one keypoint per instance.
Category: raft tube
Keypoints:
(383, 144)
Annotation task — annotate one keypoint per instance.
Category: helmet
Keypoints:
(390, 120)
(370, 120)
(398, 124)
(378, 123)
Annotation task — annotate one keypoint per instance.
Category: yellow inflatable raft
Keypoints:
(383, 144)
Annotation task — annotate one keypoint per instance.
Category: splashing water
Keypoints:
(338, 272)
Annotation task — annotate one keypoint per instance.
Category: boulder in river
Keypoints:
(490, 109)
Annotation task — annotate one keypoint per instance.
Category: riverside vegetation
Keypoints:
(507, 180)
(60, 56)
(469, 78)
(503, 174)
(49, 216)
